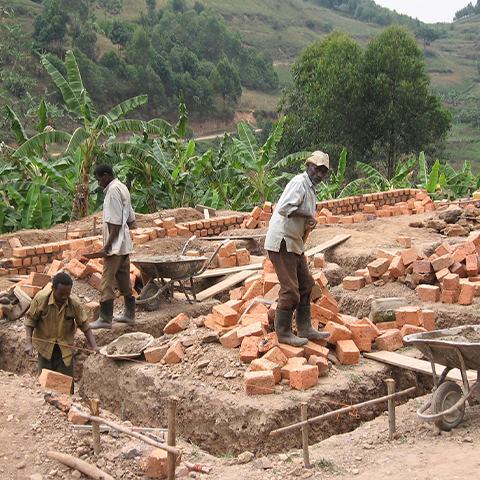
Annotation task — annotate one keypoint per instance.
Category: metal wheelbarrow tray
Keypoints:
(457, 347)
(166, 271)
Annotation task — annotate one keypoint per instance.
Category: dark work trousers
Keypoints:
(296, 281)
(116, 270)
(56, 363)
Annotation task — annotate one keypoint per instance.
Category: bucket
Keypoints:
(383, 309)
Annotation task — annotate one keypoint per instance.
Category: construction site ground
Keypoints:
(216, 421)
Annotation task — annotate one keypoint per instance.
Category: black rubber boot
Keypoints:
(129, 314)
(106, 316)
(304, 325)
(283, 327)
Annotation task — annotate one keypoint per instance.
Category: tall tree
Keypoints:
(402, 117)
(376, 104)
(324, 105)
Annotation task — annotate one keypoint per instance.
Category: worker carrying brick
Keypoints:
(51, 322)
(118, 219)
(294, 215)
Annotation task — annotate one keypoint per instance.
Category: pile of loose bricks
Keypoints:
(450, 275)
(245, 320)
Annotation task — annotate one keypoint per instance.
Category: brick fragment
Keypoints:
(177, 324)
(353, 283)
(174, 353)
(77, 268)
(74, 416)
(337, 332)
(408, 314)
(321, 363)
(155, 354)
(155, 465)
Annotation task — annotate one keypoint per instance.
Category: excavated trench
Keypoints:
(214, 412)
(209, 414)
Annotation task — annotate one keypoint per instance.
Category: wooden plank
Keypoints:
(422, 366)
(223, 285)
(331, 243)
(235, 237)
(220, 272)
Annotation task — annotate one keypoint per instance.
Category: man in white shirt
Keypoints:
(293, 215)
(118, 218)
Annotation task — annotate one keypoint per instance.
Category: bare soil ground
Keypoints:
(30, 427)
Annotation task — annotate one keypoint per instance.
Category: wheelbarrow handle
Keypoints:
(189, 241)
(212, 256)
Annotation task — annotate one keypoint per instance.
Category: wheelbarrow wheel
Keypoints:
(447, 395)
(148, 291)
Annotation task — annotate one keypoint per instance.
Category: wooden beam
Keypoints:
(220, 272)
(229, 282)
(331, 243)
(422, 366)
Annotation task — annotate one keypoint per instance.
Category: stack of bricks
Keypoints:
(201, 228)
(228, 255)
(25, 260)
(406, 201)
(244, 321)
(450, 275)
(259, 217)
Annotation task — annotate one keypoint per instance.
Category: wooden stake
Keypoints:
(95, 425)
(171, 436)
(127, 431)
(391, 407)
(304, 417)
(90, 470)
(342, 410)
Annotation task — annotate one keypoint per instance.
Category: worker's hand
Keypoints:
(29, 350)
(102, 253)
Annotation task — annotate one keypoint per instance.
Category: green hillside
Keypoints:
(284, 28)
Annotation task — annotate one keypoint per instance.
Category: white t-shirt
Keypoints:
(117, 210)
(300, 193)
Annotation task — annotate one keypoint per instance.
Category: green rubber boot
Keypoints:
(129, 314)
(106, 316)
(304, 325)
(283, 328)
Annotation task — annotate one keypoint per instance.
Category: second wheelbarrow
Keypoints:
(453, 348)
(166, 271)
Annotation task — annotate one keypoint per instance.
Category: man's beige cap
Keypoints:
(319, 159)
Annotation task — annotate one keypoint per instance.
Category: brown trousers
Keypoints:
(296, 281)
(116, 270)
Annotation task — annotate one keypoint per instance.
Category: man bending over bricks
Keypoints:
(118, 218)
(293, 215)
(51, 321)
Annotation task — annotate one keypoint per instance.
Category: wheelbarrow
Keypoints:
(453, 348)
(166, 271)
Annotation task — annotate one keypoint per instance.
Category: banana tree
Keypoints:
(84, 144)
(257, 174)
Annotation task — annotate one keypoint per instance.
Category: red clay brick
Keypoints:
(321, 363)
(55, 380)
(362, 336)
(409, 314)
(390, 340)
(428, 293)
(353, 283)
(337, 332)
(450, 296)
(259, 383)
(467, 292)
(347, 352)
(155, 354)
(304, 377)
(428, 320)
(264, 365)
(224, 315)
(410, 255)
(276, 355)
(249, 349)
(230, 339)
